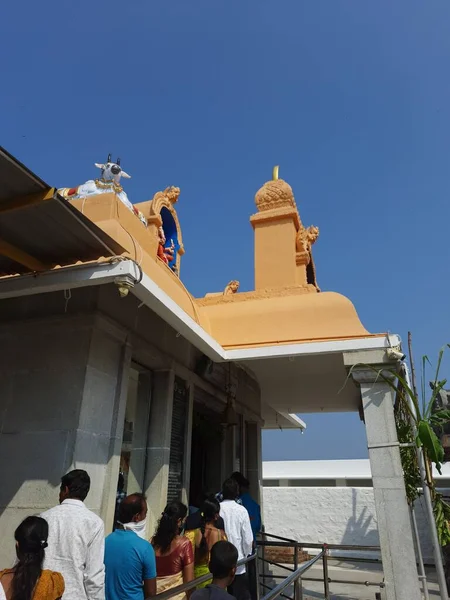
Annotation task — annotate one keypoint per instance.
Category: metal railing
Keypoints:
(186, 587)
(295, 579)
(282, 542)
(257, 581)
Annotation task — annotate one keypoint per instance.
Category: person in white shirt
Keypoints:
(239, 533)
(76, 541)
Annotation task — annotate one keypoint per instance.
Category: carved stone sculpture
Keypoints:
(165, 254)
(231, 288)
(112, 172)
(306, 237)
(275, 194)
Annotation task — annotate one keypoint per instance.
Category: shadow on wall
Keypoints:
(362, 529)
(333, 515)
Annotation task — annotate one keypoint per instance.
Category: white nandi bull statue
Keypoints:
(109, 182)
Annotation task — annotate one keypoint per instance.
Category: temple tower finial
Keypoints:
(283, 255)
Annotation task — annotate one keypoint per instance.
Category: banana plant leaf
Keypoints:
(430, 442)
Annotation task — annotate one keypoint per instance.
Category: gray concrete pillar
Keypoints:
(253, 455)
(62, 404)
(156, 475)
(97, 440)
(42, 374)
(228, 451)
(394, 525)
(188, 446)
(140, 433)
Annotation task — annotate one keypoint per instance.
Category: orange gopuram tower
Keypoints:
(283, 255)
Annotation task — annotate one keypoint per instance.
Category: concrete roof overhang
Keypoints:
(39, 229)
(274, 419)
(294, 378)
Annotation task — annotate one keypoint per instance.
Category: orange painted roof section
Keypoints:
(286, 306)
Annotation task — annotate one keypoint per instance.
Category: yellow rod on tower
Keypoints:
(275, 173)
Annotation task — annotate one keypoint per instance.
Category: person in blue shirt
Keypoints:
(130, 565)
(253, 508)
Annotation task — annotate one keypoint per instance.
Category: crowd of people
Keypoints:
(63, 553)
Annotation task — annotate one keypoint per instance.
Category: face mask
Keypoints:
(138, 528)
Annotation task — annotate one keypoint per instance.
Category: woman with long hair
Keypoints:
(174, 554)
(204, 538)
(27, 580)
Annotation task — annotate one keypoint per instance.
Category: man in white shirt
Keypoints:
(239, 533)
(76, 540)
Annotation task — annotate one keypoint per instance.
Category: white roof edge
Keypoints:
(317, 469)
(305, 348)
(353, 468)
(163, 305)
(294, 419)
(155, 298)
(73, 277)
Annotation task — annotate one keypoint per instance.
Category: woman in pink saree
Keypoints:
(174, 553)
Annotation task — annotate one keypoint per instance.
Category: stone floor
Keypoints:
(350, 580)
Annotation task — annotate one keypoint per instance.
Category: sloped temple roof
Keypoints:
(38, 229)
(48, 243)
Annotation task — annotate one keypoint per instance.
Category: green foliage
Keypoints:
(442, 517)
(431, 443)
(408, 454)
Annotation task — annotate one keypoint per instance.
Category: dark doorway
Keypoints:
(206, 454)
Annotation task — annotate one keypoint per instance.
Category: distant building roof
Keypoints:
(325, 469)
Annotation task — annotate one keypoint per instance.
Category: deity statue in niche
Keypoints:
(109, 182)
(165, 253)
(163, 216)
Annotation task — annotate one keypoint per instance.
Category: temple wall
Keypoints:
(64, 375)
(60, 381)
(333, 515)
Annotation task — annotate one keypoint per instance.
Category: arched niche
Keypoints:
(163, 213)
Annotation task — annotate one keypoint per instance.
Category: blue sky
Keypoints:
(350, 98)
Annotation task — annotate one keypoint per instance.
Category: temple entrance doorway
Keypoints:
(206, 453)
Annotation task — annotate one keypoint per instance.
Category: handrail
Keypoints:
(311, 545)
(290, 542)
(278, 537)
(295, 578)
(292, 578)
(184, 587)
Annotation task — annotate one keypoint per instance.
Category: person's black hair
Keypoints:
(209, 511)
(130, 506)
(31, 537)
(168, 527)
(242, 481)
(78, 483)
(224, 557)
(230, 489)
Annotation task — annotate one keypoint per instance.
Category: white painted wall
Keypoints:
(335, 515)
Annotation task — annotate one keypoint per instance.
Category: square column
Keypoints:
(156, 476)
(62, 401)
(254, 460)
(140, 431)
(188, 446)
(394, 525)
